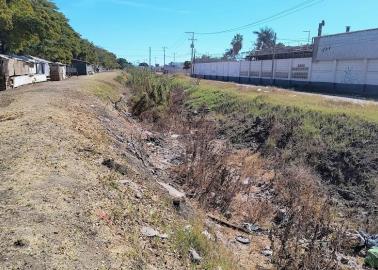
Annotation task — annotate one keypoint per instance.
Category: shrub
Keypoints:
(303, 237)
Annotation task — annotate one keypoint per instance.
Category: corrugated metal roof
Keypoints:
(5, 56)
(23, 58)
(37, 59)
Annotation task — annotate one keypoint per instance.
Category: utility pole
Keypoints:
(192, 39)
(274, 57)
(164, 48)
(149, 59)
(174, 57)
(309, 35)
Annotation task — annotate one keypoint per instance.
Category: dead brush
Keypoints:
(259, 211)
(304, 237)
(204, 170)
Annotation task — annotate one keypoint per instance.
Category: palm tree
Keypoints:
(236, 46)
(266, 38)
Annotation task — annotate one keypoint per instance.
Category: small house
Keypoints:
(82, 67)
(15, 71)
(58, 72)
(42, 66)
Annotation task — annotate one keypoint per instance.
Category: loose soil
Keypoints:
(79, 181)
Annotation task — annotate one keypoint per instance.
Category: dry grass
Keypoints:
(304, 236)
(275, 96)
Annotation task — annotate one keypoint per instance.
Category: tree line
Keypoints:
(266, 39)
(38, 28)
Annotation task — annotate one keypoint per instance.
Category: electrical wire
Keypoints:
(286, 12)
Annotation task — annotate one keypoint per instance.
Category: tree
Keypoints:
(187, 64)
(19, 25)
(123, 63)
(265, 38)
(39, 29)
(236, 46)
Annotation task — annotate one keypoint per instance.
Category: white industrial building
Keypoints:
(345, 64)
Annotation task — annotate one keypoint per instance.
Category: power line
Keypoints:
(296, 8)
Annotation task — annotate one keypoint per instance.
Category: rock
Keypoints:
(112, 165)
(280, 217)
(228, 214)
(135, 187)
(150, 232)
(20, 243)
(251, 227)
(194, 256)
(138, 195)
(346, 194)
(243, 240)
(172, 191)
(267, 253)
(246, 181)
(344, 260)
(207, 235)
(163, 236)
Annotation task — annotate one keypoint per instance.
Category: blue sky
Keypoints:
(129, 27)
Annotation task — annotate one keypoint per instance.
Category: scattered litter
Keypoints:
(243, 240)
(194, 256)
(371, 241)
(259, 90)
(372, 258)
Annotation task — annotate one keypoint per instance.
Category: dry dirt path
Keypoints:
(47, 178)
(61, 208)
(58, 203)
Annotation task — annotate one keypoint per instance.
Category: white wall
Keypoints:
(347, 46)
(372, 72)
(323, 71)
(297, 69)
(350, 72)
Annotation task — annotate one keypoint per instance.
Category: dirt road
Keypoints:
(58, 203)
(78, 183)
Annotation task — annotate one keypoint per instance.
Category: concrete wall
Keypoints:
(344, 77)
(347, 46)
